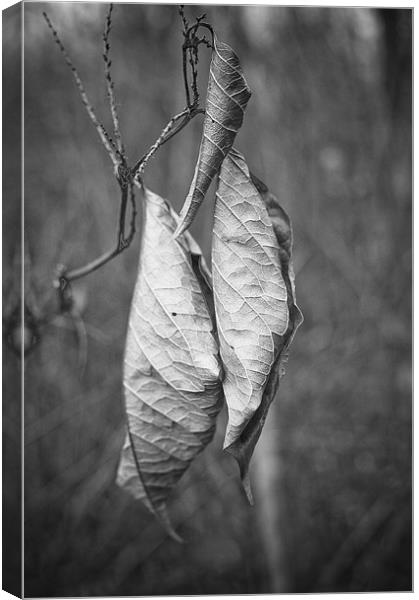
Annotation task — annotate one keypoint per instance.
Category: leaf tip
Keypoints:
(237, 452)
(163, 518)
(247, 488)
(176, 537)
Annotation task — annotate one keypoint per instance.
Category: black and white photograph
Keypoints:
(207, 299)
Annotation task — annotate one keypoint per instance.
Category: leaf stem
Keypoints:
(167, 133)
(122, 241)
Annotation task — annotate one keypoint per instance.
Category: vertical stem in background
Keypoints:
(267, 477)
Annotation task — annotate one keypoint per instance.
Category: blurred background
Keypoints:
(328, 128)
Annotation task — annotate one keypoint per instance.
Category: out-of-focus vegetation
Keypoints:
(329, 130)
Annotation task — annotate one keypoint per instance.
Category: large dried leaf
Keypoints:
(227, 98)
(172, 369)
(254, 301)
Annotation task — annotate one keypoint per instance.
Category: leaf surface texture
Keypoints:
(172, 369)
(254, 301)
(227, 98)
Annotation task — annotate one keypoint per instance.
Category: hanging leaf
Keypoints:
(172, 370)
(227, 98)
(254, 301)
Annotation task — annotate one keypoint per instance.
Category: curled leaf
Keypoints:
(172, 369)
(254, 301)
(227, 98)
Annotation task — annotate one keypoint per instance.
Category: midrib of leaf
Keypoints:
(171, 425)
(230, 209)
(171, 385)
(161, 448)
(153, 407)
(176, 326)
(224, 92)
(240, 294)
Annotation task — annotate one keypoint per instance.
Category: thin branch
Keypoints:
(163, 137)
(122, 242)
(110, 83)
(89, 268)
(103, 134)
(184, 63)
(186, 120)
(190, 48)
(128, 177)
(133, 214)
(122, 216)
(185, 76)
(185, 22)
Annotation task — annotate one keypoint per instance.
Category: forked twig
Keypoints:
(128, 177)
(190, 54)
(103, 134)
(189, 48)
(123, 241)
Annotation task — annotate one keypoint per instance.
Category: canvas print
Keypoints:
(207, 262)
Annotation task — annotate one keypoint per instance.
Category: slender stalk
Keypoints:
(109, 82)
(167, 133)
(187, 119)
(122, 215)
(103, 134)
(122, 241)
(128, 177)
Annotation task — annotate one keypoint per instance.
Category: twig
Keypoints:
(167, 133)
(184, 64)
(190, 48)
(128, 177)
(65, 277)
(185, 22)
(133, 214)
(110, 83)
(103, 134)
(187, 119)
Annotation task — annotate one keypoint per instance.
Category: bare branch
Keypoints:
(103, 134)
(184, 64)
(128, 177)
(89, 268)
(186, 120)
(185, 22)
(141, 164)
(122, 242)
(133, 215)
(110, 83)
(190, 53)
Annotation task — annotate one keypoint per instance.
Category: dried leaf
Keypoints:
(227, 98)
(172, 369)
(254, 301)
